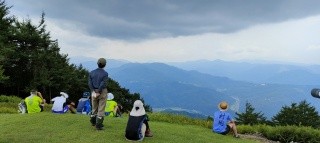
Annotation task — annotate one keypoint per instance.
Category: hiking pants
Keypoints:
(99, 103)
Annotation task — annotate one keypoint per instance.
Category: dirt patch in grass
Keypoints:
(257, 137)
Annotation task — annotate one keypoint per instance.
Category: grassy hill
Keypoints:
(71, 128)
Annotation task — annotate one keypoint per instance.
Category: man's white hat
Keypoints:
(64, 94)
(110, 96)
(137, 109)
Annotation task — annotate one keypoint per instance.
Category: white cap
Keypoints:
(64, 94)
(110, 96)
(137, 109)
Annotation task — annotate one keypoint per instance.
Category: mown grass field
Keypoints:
(75, 128)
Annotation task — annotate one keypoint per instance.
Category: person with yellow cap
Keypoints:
(223, 122)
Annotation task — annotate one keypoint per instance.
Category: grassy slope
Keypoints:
(48, 127)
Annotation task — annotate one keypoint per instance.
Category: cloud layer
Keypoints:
(180, 30)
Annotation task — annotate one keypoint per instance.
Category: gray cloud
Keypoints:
(138, 19)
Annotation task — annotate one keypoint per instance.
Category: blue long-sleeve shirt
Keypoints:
(98, 80)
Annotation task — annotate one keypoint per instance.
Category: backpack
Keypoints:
(22, 107)
(87, 108)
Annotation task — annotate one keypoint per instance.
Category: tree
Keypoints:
(298, 114)
(5, 34)
(249, 117)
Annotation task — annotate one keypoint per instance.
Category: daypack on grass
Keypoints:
(22, 107)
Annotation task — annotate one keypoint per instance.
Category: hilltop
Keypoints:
(51, 128)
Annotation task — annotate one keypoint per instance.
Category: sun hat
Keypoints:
(110, 96)
(137, 109)
(64, 94)
(223, 106)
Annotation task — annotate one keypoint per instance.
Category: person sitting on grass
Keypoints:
(137, 126)
(35, 102)
(84, 104)
(223, 122)
(112, 109)
(61, 104)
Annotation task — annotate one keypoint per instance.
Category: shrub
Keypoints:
(9, 104)
(179, 119)
(10, 99)
(283, 133)
(8, 110)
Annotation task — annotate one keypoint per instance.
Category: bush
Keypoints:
(9, 104)
(179, 119)
(10, 99)
(7, 110)
(283, 133)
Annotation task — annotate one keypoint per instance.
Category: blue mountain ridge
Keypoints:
(257, 72)
(165, 86)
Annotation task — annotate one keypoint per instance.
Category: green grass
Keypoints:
(71, 128)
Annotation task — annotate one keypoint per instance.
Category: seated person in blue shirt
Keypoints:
(84, 104)
(223, 122)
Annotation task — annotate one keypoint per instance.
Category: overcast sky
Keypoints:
(181, 30)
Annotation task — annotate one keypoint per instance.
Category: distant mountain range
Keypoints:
(257, 73)
(190, 88)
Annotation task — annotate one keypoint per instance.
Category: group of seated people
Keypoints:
(137, 126)
(61, 104)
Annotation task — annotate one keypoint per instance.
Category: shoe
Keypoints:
(99, 123)
(93, 120)
(148, 133)
(236, 136)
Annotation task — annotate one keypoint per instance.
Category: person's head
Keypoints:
(33, 92)
(86, 94)
(137, 109)
(110, 96)
(223, 106)
(65, 95)
(102, 62)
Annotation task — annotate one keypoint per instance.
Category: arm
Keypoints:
(103, 83)
(90, 82)
(40, 95)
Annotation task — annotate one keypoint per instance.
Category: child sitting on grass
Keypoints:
(137, 126)
(223, 123)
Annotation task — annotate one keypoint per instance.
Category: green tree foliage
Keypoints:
(302, 114)
(250, 117)
(30, 59)
(5, 35)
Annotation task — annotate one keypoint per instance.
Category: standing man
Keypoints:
(98, 85)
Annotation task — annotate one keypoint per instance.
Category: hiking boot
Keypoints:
(93, 120)
(148, 133)
(99, 123)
